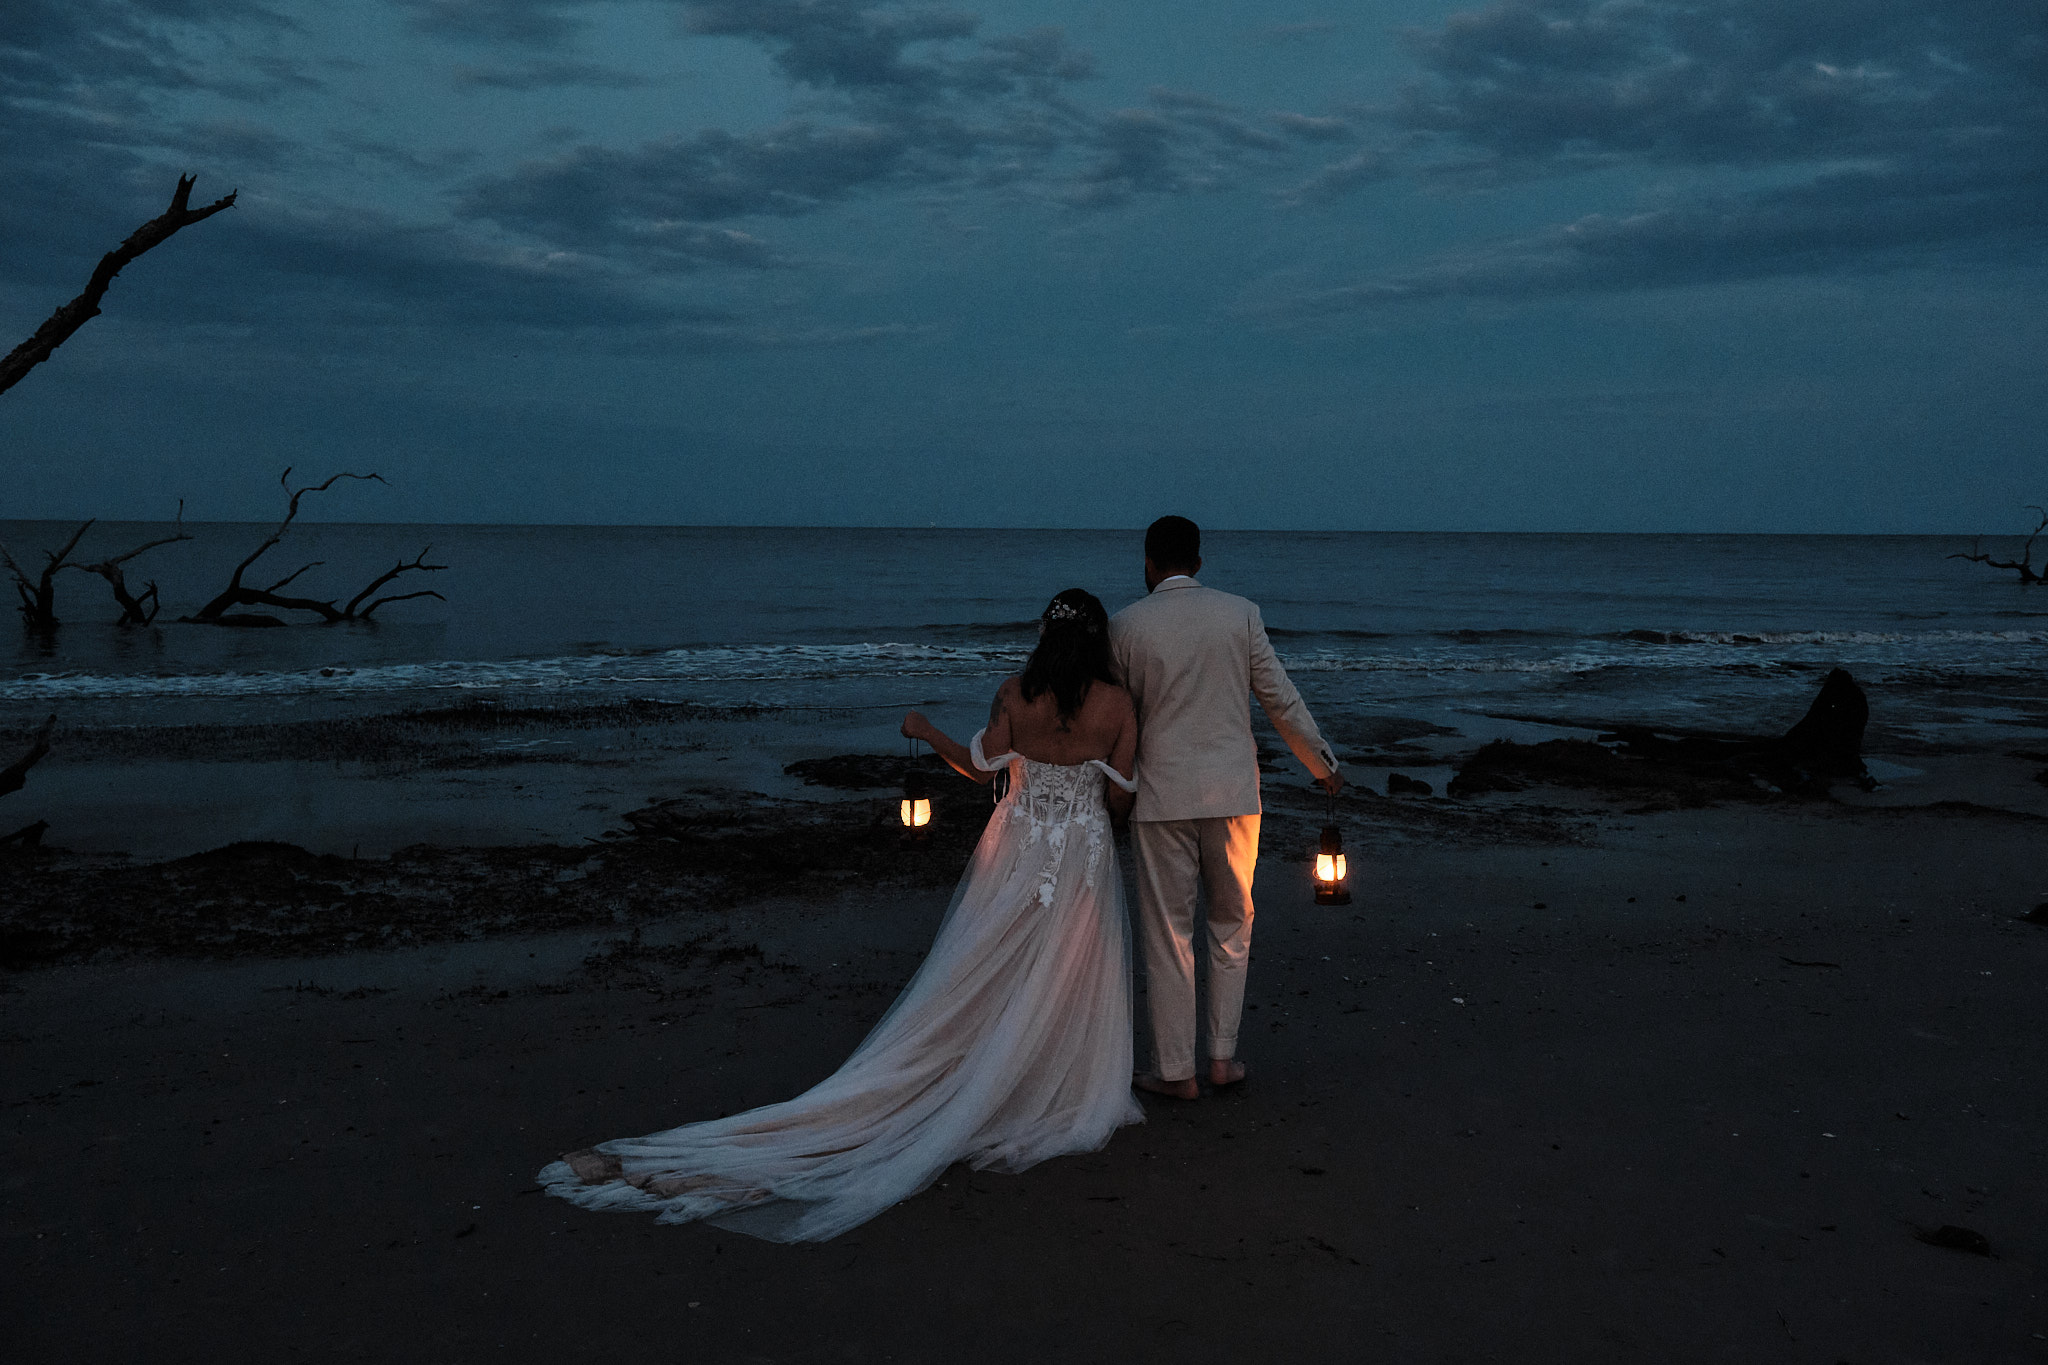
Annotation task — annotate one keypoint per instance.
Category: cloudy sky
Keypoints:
(1393, 264)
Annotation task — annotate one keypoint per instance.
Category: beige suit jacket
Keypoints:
(1189, 656)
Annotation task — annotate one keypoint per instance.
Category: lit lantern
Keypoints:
(914, 811)
(916, 806)
(1332, 868)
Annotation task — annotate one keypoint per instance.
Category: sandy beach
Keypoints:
(1575, 1078)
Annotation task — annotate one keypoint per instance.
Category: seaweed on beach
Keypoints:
(692, 853)
(436, 737)
(862, 772)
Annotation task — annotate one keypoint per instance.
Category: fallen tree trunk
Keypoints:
(75, 314)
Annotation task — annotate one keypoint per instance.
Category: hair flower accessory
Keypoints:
(1062, 611)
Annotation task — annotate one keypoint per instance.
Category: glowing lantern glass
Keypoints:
(914, 811)
(1332, 868)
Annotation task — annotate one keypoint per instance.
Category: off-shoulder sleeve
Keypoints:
(982, 760)
(1129, 784)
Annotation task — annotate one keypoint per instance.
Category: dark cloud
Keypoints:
(99, 53)
(1851, 220)
(547, 76)
(1313, 127)
(839, 43)
(1338, 178)
(1301, 31)
(90, 154)
(228, 145)
(1884, 131)
(1735, 82)
(914, 98)
(534, 23)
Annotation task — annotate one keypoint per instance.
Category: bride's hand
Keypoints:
(915, 726)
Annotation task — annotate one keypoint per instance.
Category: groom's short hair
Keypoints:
(1173, 543)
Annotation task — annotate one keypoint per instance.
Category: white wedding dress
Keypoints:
(1011, 1044)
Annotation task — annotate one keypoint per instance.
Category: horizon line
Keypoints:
(1209, 528)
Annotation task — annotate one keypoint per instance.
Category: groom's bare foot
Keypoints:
(1180, 1090)
(1225, 1072)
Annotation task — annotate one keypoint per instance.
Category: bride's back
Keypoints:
(1036, 731)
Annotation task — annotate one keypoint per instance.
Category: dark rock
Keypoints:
(1400, 784)
(2037, 915)
(1830, 736)
(2042, 777)
(1954, 1238)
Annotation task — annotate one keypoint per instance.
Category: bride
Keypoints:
(1011, 1044)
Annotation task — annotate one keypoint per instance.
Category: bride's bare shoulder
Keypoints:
(1110, 699)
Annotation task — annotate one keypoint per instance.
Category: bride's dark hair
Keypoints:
(1072, 654)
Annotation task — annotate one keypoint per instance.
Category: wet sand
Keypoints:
(1565, 1084)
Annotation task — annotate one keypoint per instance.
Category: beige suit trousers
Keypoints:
(1174, 858)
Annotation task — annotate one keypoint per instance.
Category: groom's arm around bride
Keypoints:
(1191, 657)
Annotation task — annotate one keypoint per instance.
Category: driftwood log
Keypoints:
(2024, 565)
(1825, 747)
(220, 611)
(39, 594)
(75, 314)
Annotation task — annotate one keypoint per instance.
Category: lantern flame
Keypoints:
(1332, 867)
(916, 812)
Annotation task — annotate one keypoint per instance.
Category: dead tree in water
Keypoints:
(136, 609)
(239, 594)
(39, 594)
(75, 314)
(2025, 563)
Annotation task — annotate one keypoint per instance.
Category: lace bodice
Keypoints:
(1053, 800)
(1056, 792)
(1051, 793)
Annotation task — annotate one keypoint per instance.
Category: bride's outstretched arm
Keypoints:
(915, 726)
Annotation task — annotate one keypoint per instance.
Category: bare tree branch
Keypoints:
(294, 574)
(417, 562)
(39, 594)
(75, 314)
(2024, 565)
(364, 614)
(14, 774)
(236, 594)
(137, 609)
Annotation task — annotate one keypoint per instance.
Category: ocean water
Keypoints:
(1726, 633)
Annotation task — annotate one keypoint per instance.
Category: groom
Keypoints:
(1189, 654)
